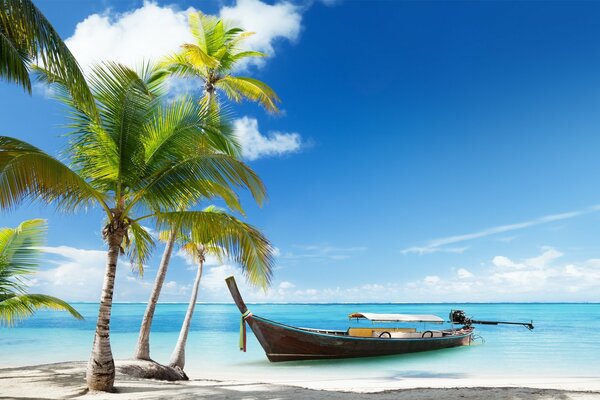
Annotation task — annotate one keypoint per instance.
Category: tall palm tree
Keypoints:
(138, 161)
(27, 37)
(253, 253)
(19, 258)
(214, 57)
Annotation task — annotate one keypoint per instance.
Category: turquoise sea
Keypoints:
(565, 342)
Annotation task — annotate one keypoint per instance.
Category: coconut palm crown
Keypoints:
(213, 58)
(19, 259)
(139, 160)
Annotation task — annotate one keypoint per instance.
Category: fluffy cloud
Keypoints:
(151, 31)
(270, 22)
(256, 145)
(77, 275)
(463, 273)
(146, 33)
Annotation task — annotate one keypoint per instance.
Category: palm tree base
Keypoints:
(150, 370)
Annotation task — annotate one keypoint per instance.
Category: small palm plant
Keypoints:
(139, 161)
(214, 57)
(237, 241)
(19, 259)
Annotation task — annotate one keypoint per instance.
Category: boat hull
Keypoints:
(287, 343)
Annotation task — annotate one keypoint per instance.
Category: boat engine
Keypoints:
(459, 317)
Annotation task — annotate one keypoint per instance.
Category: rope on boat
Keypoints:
(243, 330)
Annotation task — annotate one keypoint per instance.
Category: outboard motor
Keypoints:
(459, 317)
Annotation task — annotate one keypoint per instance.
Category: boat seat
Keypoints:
(360, 332)
(414, 335)
(371, 332)
(378, 331)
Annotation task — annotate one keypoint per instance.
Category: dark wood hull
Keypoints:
(287, 343)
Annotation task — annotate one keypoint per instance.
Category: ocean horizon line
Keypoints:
(347, 303)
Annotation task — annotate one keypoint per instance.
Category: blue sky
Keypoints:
(427, 151)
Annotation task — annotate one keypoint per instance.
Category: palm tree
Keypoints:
(213, 58)
(19, 258)
(27, 37)
(138, 161)
(252, 251)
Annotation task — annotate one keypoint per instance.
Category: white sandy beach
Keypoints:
(66, 380)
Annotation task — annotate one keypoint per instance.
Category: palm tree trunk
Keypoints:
(178, 356)
(142, 350)
(101, 366)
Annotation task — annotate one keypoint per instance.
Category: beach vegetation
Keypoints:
(235, 241)
(28, 38)
(214, 58)
(20, 255)
(140, 160)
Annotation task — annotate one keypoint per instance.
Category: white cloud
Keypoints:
(550, 254)
(146, 33)
(438, 245)
(270, 22)
(317, 253)
(256, 145)
(210, 260)
(77, 275)
(463, 273)
(432, 280)
(505, 262)
(429, 250)
(152, 31)
(286, 285)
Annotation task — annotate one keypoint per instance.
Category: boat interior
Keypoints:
(385, 332)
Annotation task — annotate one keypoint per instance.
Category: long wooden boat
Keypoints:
(287, 343)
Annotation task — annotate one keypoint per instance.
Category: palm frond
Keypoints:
(240, 242)
(139, 246)
(26, 172)
(197, 57)
(197, 28)
(125, 102)
(19, 253)
(31, 33)
(187, 179)
(183, 127)
(13, 62)
(178, 65)
(237, 88)
(15, 308)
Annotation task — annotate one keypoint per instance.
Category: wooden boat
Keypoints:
(286, 343)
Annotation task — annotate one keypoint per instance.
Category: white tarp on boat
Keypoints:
(398, 317)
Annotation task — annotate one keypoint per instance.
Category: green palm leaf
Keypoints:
(213, 57)
(26, 172)
(238, 88)
(139, 246)
(34, 39)
(15, 308)
(19, 253)
(229, 238)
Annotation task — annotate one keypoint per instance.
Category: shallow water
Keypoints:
(564, 342)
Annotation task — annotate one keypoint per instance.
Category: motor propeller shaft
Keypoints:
(459, 317)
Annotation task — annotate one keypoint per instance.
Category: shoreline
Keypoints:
(66, 380)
